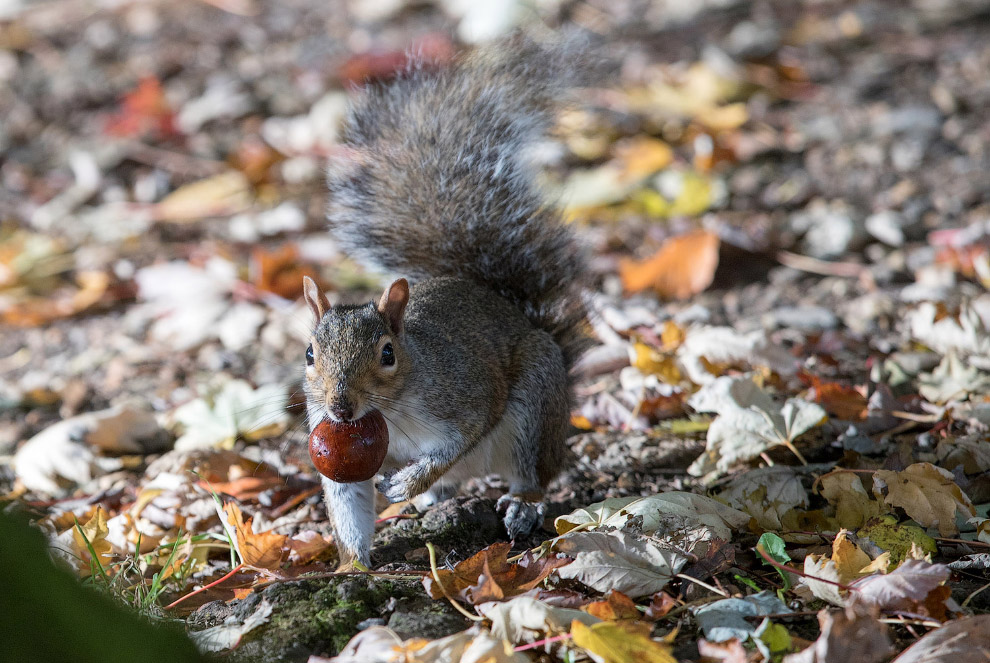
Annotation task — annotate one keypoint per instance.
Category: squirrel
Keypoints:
(470, 365)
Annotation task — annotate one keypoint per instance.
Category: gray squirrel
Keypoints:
(469, 366)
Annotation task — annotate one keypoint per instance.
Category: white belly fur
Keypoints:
(412, 437)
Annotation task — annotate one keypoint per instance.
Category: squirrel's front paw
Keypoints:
(521, 517)
(404, 484)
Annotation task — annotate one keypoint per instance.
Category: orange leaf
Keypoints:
(280, 271)
(264, 550)
(489, 576)
(683, 267)
(841, 401)
(615, 606)
(143, 110)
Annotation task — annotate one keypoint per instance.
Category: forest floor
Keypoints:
(788, 208)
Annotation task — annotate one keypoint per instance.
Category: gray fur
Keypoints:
(435, 189)
(436, 183)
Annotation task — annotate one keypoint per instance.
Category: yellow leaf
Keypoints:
(621, 642)
(849, 559)
(723, 118)
(672, 335)
(642, 156)
(649, 361)
(95, 532)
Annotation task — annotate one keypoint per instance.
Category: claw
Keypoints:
(520, 516)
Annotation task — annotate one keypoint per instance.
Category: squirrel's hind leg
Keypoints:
(538, 406)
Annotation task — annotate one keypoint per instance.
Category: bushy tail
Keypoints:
(435, 181)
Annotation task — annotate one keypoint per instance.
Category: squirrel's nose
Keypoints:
(341, 411)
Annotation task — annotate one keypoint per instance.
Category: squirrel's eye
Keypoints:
(388, 356)
(309, 355)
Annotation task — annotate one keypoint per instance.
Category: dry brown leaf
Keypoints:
(220, 195)
(914, 586)
(264, 550)
(850, 635)
(841, 401)
(683, 267)
(928, 494)
(853, 505)
(965, 640)
(281, 271)
(489, 576)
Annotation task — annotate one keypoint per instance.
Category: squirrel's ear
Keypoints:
(315, 298)
(393, 303)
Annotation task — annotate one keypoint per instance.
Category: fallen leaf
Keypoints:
(228, 634)
(236, 410)
(220, 195)
(853, 634)
(144, 111)
(626, 642)
(730, 651)
(650, 512)
(914, 586)
(766, 493)
(650, 361)
(489, 576)
(748, 423)
(683, 267)
(280, 271)
(953, 380)
(525, 619)
(853, 505)
(643, 156)
(705, 347)
(726, 619)
(616, 606)
(845, 565)
(67, 453)
(264, 550)
(618, 561)
(972, 453)
(899, 539)
(965, 640)
(928, 494)
(841, 401)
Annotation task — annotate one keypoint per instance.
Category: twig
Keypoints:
(971, 596)
(710, 588)
(783, 567)
(436, 578)
(205, 587)
(544, 641)
(822, 267)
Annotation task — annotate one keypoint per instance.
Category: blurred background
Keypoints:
(803, 169)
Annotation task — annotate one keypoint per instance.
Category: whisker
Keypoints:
(410, 411)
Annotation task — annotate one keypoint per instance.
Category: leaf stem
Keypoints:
(436, 578)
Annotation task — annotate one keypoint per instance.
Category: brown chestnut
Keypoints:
(349, 451)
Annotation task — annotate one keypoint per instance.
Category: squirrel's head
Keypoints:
(355, 361)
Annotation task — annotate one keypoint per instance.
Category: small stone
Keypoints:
(887, 226)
